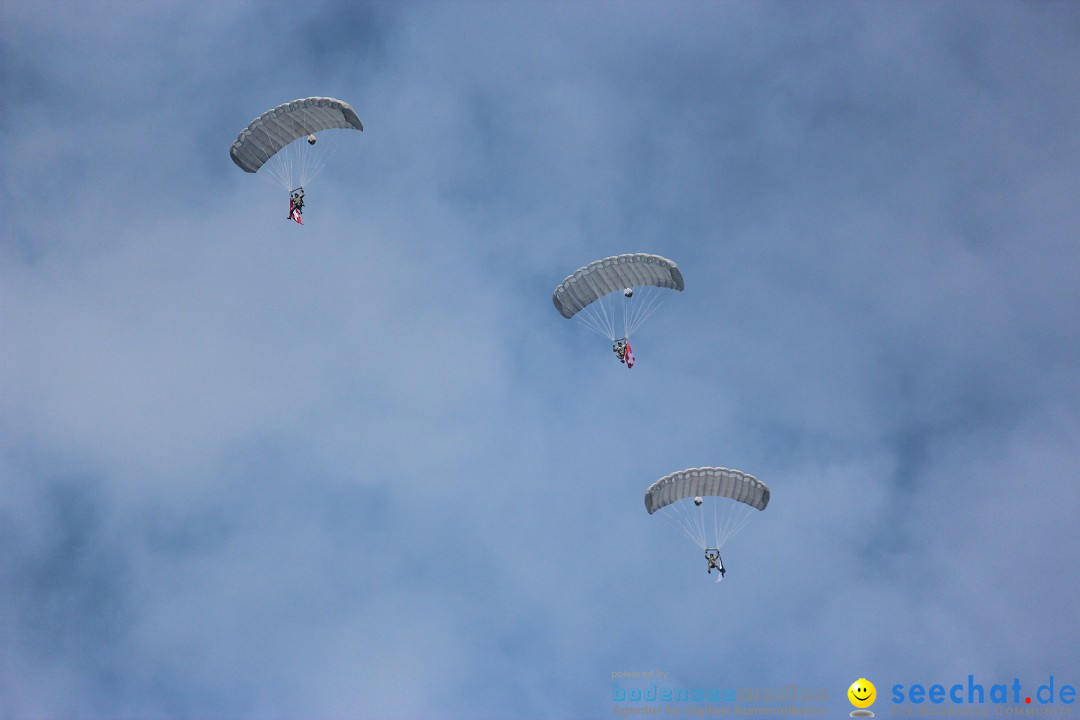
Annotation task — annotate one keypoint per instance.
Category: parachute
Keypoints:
(268, 139)
(708, 504)
(639, 277)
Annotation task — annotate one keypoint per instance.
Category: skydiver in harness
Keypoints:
(712, 555)
(296, 204)
(619, 348)
(622, 350)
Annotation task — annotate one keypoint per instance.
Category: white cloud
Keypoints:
(363, 468)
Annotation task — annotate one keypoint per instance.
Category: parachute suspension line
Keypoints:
(296, 164)
(319, 157)
(275, 171)
(303, 160)
(683, 524)
(689, 521)
(592, 319)
(652, 299)
(630, 307)
(655, 301)
(287, 165)
(599, 318)
(732, 520)
(279, 168)
(727, 520)
(630, 310)
(715, 526)
(608, 314)
(294, 160)
(299, 158)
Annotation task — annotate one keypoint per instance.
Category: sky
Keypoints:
(363, 469)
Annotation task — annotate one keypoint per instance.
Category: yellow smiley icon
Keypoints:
(862, 693)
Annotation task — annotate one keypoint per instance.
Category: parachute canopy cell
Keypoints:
(276, 128)
(707, 481)
(612, 274)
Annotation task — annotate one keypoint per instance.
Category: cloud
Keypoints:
(362, 468)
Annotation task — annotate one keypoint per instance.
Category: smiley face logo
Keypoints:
(862, 693)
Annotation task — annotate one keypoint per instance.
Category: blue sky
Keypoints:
(363, 468)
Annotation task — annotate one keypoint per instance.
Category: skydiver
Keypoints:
(619, 348)
(296, 204)
(712, 555)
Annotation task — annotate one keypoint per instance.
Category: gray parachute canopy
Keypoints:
(618, 272)
(714, 481)
(276, 128)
